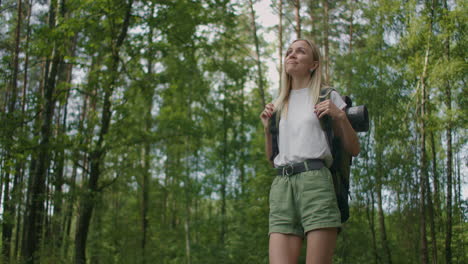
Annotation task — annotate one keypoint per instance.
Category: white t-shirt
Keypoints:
(300, 134)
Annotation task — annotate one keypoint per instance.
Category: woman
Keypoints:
(302, 198)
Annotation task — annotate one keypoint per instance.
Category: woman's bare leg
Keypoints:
(284, 249)
(320, 245)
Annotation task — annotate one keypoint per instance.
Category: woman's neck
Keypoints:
(300, 82)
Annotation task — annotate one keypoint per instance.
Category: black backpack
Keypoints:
(342, 160)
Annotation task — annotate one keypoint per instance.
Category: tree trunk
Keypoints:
(145, 200)
(18, 196)
(326, 57)
(57, 182)
(243, 156)
(370, 218)
(313, 28)
(58, 216)
(36, 209)
(458, 187)
(280, 42)
(424, 178)
(76, 157)
(350, 46)
(257, 51)
(94, 252)
(379, 153)
(433, 215)
(8, 216)
(148, 94)
(32, 167)
(435, 180)
(46, 227)
(431, 220)
(69, 210)
(297, 16)
(382, 225)
(19, 205)
(448, 104)
(8, 208)
(14, 84)
(351, 31)
(187, 217)
(224, 171)
(26, 59)
(381, 216)
(97, 156)
(72, 199)
(88, 200)
(423, 165)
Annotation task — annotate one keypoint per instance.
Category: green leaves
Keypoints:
(185, 147)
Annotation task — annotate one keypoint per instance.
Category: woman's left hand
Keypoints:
(327, 107)
(341, 126)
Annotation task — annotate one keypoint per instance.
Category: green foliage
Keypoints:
(185, 136)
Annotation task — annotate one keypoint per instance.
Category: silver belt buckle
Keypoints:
(286, 170)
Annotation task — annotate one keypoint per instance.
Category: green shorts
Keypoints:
(303, 202)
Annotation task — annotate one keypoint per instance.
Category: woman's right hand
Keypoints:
(266, 114)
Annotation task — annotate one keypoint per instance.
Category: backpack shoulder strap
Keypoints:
(325, 93)
(274, 130)
(326, 122)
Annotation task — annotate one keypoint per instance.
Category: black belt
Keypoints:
(307, 165)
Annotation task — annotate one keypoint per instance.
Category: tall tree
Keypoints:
(147, 91)
(36, 210)
(8, 207)
(257, 54)
(423, 162)
(449, 164)
(425, 112)
(99, 152)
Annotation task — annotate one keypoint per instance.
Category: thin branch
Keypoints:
(108, 183)
(82, 167)
(8, 7)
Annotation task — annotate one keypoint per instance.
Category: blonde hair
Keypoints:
(315, 84)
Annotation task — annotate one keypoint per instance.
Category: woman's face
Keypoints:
(299, 60)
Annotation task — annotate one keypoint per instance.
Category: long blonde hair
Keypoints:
(315, 84)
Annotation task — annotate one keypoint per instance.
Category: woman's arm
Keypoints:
(343, 129)
(341, 126)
